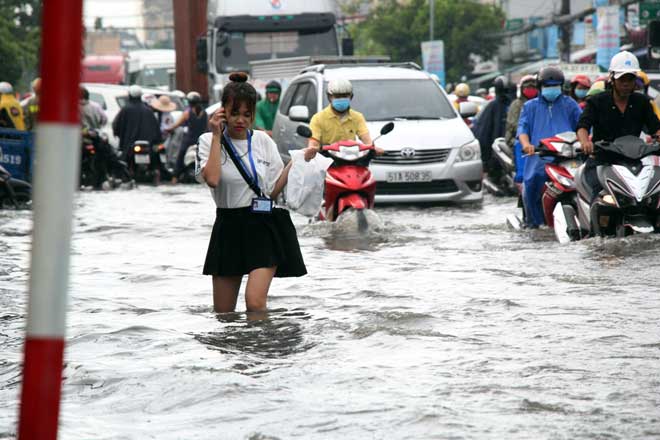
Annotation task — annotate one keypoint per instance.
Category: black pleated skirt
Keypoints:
(242, 241)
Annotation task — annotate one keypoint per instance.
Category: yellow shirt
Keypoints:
(327, 128)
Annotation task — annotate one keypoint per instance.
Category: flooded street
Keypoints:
(442, 325)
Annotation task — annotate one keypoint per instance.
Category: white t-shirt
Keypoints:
(233, 191)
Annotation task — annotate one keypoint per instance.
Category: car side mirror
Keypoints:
(467, 109)
(299, 113)
(304, 131)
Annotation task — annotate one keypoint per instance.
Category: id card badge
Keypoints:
(261, 205)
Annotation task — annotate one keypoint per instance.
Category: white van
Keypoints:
(430, 156)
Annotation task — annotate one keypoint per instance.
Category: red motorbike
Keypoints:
(348, 182)
(560, 197)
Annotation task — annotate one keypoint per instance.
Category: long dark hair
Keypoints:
(239, 91)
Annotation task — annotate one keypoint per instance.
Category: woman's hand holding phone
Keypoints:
(217, 121)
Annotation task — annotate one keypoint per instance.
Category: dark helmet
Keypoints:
(194, 98)
(501, 85)
(273, 87)
(551, 76)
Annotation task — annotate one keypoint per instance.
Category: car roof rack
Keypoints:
(320, 64)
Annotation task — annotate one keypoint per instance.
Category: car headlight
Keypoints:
(469, 151)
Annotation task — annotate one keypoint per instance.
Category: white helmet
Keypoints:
(340, 87)
(135, 91)
(6, 88)
(622, 63)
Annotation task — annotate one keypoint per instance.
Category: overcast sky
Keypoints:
(119, 13)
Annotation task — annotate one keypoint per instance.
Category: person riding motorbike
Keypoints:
(267, 108)
(338, 121)
(462, 91)
(196, 121)
(92, 119)
(11, 113)
(616, 112)
(135, 121)
(31, 107)
(542, 117)
(490, 125)
(580, 85)
(528, 90)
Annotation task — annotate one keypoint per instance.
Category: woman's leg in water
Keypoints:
(225, 293)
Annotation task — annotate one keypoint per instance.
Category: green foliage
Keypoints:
(20, 39)
(397, 29)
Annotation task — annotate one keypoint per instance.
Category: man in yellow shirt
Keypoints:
(338, 121)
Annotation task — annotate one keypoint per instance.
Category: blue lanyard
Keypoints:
(254, 168)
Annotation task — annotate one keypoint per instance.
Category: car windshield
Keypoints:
(242, 47)
(151, 77)
(387, 99)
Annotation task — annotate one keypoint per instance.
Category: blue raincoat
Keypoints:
(541, 119)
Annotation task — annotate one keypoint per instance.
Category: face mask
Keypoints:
(341, 104)
(581, 93)
(530, 92)
(551, 93)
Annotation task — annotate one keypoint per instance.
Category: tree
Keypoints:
(20, 40)
(397, 29)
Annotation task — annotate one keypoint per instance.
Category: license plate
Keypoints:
(408, 176)
(142, 159)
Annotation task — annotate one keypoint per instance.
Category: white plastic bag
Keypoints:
(304, 190)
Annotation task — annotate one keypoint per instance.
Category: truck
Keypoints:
(152, 68)
(107, 69)
(241, 32)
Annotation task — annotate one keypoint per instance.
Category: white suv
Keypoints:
(430, 156)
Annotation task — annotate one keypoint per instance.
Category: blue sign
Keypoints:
(607, 33)
(551, 38)
(433, 58)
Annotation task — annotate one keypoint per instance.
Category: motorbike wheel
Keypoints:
(23, 200)
(621, 231)
(363, 225)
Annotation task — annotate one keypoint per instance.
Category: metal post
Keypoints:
(56, 171)
(566, 29)
(431, 18)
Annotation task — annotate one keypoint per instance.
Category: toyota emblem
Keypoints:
(408, 152)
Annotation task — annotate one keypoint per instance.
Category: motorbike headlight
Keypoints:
(469, 151)
(609, 199)
(351, 153)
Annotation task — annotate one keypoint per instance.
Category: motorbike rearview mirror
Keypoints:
(304, 131)
(387, 128)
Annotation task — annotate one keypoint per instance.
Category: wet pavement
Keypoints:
(440, 324)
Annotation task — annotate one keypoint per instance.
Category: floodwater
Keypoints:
(443, 324)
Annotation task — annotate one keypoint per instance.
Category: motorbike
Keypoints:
(188, 173)
(507, 185)
(629, 202)
(14, 193)
(147, 162)
(560, 199)
(99, 165)
(349, 184)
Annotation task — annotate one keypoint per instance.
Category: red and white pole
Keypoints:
(56, 175)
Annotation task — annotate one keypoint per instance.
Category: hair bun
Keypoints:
(239, 77)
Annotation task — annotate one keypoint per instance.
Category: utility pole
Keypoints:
(566, 28)
(189, 25)
(431, 18)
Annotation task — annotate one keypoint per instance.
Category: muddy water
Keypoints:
(441, 324)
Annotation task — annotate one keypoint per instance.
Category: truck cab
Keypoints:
(152, 68)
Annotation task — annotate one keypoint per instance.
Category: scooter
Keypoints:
(147, 162)
(14, 193)
(630, 200)
(560, 199)
(507, 185)
(559, 190)
(349, 184)
(99, 165)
